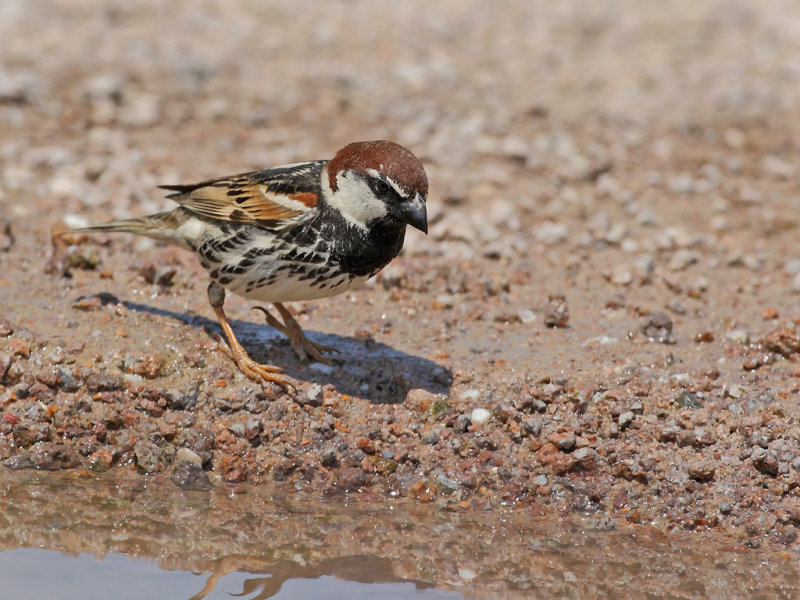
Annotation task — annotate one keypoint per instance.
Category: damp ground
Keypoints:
(602, 323)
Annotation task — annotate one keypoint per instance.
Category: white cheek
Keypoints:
(355, 200)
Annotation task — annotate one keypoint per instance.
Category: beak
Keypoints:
(414, 213)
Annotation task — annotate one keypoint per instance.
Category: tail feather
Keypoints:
(162, 226)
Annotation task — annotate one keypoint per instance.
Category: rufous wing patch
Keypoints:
(307, 198)
(243, 201)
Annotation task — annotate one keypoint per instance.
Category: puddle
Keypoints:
(66, 536)
(35, 574)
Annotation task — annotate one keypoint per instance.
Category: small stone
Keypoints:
(237, 429)
(189, 475)
(556, 313)
(564, 442)
(181, 400)
(430, 436)
(480, 416)
(702, 471)
(738, 335)
(471, 394)
(186, 455)
(103, 382)
(313, 395)
(5, 363)
(621, 275)
(667, 434)
(532, 426)
(782, 341)
(625, 419)
(551, 233)
(49, 456)
(252, 428)
(682, 259)
(5, 328)
(466, 574)
(18, 461)
(688, 400)
(422, 490)
(19, 347)
(657, 326)
(540, 480)
(765, 461)
(234, 469)
(733, 391)
(100, 460)
(149, 457)
(149, 366)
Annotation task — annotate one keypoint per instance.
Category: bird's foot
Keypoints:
(254, 370)
(304, 348)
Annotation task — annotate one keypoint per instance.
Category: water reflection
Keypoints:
(266, 541)
(30, 573)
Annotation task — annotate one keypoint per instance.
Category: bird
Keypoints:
(301, 231)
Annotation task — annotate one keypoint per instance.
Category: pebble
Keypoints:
(764, 460)
(18, 461)
(564, 442)
(149, 457)
(739, 336)
(312, 396)
(470, 395)
(556, 313)
(733, 391)
(550, 232)
(252, 428)
(682, 259)
(466, 574)
(180, 399)
(625, 419)
(431, 436)
(688, 400)
(50, 456)
(540, 480)
(5, 363)
(657, 326)
(189, 475)
(5, 328)
(104, 382)
(532, 426)
(702, 471)
(480, 416)
(186, 455)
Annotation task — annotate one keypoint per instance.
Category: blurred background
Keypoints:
(99, 101)
(641, 158)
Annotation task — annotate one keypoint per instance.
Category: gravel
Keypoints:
(564, 219)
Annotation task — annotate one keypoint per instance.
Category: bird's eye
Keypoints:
(381, 187)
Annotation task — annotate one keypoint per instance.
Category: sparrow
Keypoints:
(301, 231)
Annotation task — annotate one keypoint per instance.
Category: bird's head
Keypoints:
(367, 181)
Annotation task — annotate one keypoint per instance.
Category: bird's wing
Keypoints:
(266, 198)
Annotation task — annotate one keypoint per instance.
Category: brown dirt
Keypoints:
(612, 269)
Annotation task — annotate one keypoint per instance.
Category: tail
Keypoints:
(162, 226)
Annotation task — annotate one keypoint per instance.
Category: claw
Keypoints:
(303, 347)
(252, 369)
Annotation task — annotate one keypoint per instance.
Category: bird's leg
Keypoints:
(256, 371)
(303, 347)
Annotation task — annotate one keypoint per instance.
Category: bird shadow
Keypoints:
(366, 369)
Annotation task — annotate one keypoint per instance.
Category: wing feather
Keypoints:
(267, 197)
